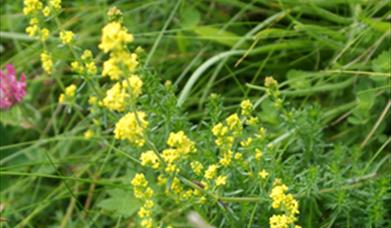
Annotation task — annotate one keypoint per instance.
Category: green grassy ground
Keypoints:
(331, 59)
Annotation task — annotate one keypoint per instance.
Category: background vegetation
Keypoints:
(331, 58)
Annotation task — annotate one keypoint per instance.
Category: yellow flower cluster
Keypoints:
(118, 95)
(181, 143)
(33, 30)
(114, 37)
(144, 193)
(246, 107)
(54, 5)
(119, 64)
(68, 94)
(211, 172)
(47, 62)
(121, 61)
(89, 134)
(66, 37)
(131, 127)
(31, 6)
(197, 167)
(87, 65)
(286, 202)
(180, 146)
(149, 158)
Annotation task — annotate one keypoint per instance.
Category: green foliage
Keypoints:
(330, 128)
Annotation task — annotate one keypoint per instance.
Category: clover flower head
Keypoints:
(12, 91)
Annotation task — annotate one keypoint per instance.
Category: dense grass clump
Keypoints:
(218, 113)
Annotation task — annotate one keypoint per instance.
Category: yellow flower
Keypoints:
(139, 180)
(226, 159)
(219, 130)
(66, 37)
(279, 221)
(55, 4)
(270, 82)
(44, 34)
(246, 107)
(115, 98)
(114, 37)
(247, 142)
(92, 100)
(77, 67)
(33, 29)
(181, 142)
(68, 94)
(143, 212)
(70, 91)
(238, 156)
(263, 174)
(91, 68)
(258, 154)
(135, 84)
(197, 167)
(221, 180)
(31, 6)
(149, 158)
(119, 64)
(46, 11)
(233, 122)
(47, 62)
(87, 55)
(89, 134)
(131, 127)
(211, 172)
(170, 155)
(161, 180)
(147, 223)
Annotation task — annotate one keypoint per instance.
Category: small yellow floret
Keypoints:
(47, 62)
(149, 158)
(221, 180)
(211, 172)
(131, 127)
(66, 37)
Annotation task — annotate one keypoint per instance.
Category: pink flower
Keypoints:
(12, 91)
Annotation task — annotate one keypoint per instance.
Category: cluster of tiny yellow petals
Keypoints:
(116, 97)
(68, 94)
(226, 158)
(87, 65)
(47, 62)
(258, 154)
(246, 107)
(134, 83)
(221, 180)
(181, 142)
(119, 64)
(149, 158)
(263, 174)
(114, 37)
(197, 167)
(88, 134)
(31, 6)
(131, 127)
(247, 142)
(211, 172)
(233, 122)
(66, 37)
(144, 193)
(282, 200)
